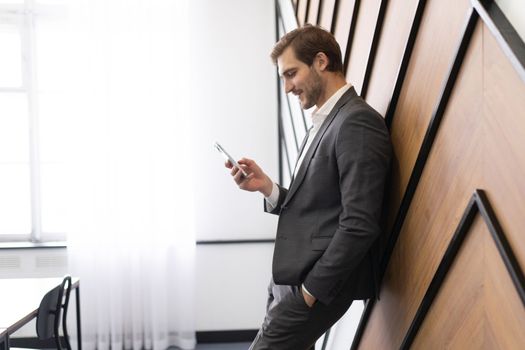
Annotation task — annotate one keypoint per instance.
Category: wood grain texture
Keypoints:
(456, 318)
(431, 59)
(481, 144)
(364, 32)
(504, 136)
(396, 28)
(447, 183)
(477, 306)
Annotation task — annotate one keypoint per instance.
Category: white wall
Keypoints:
(231, 282)
(234, 101)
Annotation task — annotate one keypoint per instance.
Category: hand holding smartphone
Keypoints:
(227, 156)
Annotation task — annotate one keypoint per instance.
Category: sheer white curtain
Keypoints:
(131, 237)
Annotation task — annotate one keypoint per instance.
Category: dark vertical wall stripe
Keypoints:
(351, 35)
(511, 43)
(278, 20)
(305, 19)
(373, 47)
(389, 115)
(334, 16)
(319, 11)
(362, 324)
(509, 259)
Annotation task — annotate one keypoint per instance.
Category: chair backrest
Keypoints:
(49, 311)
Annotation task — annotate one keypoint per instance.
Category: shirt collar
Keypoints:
(320, 114)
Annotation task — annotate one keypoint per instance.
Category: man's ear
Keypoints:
(322, 60)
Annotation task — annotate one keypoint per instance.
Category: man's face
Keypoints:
(302, 80)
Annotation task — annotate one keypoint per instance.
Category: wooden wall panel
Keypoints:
(504, 129)
(480, 144)
(446, 185)
(327, 14)
(459, 299)
(396, 27)
(364, 32)
(432, 56)
(313, 11)
(477, 306)
(345, 10)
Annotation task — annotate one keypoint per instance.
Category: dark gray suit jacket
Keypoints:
(329, 224)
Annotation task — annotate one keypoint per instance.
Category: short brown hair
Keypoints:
(307, 42)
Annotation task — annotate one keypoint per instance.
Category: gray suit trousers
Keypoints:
(290, 324)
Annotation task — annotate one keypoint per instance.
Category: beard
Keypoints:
(312, 91)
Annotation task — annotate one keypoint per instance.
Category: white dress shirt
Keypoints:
(318, 117)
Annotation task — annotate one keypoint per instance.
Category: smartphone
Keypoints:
(227, 156)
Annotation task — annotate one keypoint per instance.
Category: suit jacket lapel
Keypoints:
(301, 172)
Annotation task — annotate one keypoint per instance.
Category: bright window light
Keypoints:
(10, 57)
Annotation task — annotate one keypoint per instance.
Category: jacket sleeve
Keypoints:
(363, 153)
(282, 195)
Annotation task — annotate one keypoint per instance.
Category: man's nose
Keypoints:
(288, 86)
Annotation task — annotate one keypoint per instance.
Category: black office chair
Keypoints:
(48, 317)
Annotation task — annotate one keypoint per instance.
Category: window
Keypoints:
(32, 159)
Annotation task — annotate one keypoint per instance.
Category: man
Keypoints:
(326, 250)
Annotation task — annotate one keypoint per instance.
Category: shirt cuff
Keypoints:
(273, 198)
(307, 292)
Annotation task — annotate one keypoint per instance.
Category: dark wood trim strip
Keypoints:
(441, 273)
(287, 98)
(231, 336)
(424, 153)
(319, 10)
(351, 34)
(282, 138)
(505, 34)
(278, 22)
(325, 340)
(363, 321)
(414, 30)
(477, 204)
(373, 47)
(30, 245)
(235, 241)
(306, 13)
(511, 263)
(334, 16)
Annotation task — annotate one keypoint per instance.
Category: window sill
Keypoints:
(32, 245)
